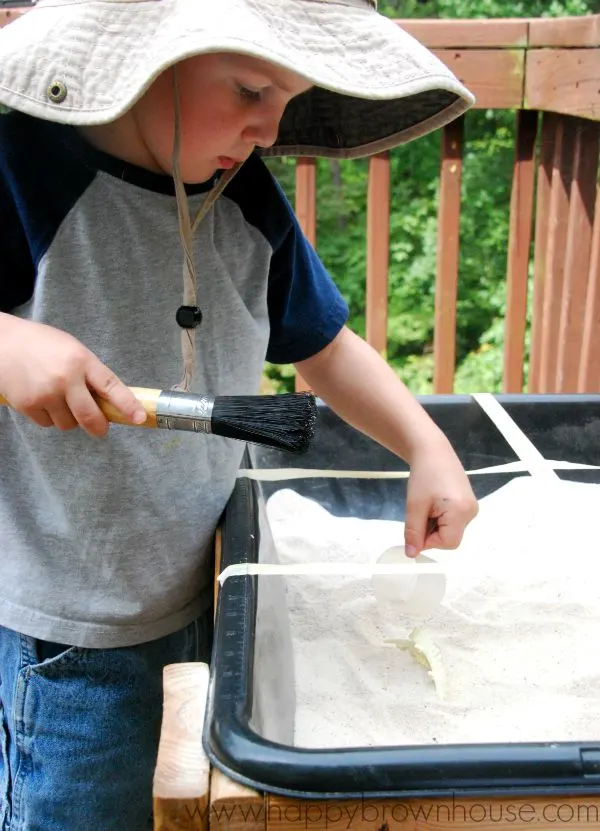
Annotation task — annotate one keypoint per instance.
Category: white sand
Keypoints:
(521, 650)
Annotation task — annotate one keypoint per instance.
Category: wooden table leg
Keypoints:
(182, 772)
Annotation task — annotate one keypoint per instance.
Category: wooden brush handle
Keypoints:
(146, 397)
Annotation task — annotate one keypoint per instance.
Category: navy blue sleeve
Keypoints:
(40, 181)
(17, 271)
(306, 309)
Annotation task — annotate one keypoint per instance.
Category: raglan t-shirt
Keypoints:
(108, 542)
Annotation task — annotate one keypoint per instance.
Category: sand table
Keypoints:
(518, 630)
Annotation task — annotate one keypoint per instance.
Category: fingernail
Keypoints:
(410, 551)
(139, 417)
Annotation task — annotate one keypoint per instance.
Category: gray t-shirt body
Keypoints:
(108, 542)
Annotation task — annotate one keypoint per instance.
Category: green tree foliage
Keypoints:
(488, 158)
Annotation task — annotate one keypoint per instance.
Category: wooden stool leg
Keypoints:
(182, 772)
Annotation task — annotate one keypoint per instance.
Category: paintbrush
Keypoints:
(286, 422)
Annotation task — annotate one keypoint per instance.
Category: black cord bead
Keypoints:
(188, 317)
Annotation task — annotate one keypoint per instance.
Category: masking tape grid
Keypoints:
(289, 473)
(525, 449)
(369, 569)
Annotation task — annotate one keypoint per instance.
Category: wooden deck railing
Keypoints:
(548, 72)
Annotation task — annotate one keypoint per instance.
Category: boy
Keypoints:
(122, 114)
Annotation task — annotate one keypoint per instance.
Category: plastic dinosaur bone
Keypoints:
(427, 653)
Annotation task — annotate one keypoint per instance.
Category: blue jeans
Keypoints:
(79, 730)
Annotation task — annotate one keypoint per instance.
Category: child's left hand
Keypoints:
(440, 501)
(364, 390)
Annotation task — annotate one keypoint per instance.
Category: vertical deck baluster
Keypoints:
(542, 217)
(444, 346)
(519, 243)
(589, 370)
(306, 211)
(577, 254)
(558, 213)
(378, 244)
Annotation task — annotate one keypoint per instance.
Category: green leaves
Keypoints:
(483, 8)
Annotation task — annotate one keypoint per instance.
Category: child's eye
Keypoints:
(250, 94)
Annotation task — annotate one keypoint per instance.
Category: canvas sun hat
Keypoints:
(85, 62)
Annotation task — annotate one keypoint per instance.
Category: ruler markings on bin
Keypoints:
(232, 671)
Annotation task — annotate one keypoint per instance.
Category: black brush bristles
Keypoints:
(285, 421)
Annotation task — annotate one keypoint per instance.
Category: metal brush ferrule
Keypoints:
(183, 411)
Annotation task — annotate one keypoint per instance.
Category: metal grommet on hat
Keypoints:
(188, 317)
(57, 92)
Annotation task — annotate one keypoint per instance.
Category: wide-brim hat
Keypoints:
(84, 62)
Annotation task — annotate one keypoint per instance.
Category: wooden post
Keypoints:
(378, 248)
(519, 243)
(306, 211)
(589, 370)
(544, 183)
(446, 287)
(558, 212)
(181, 776)
(582, 199)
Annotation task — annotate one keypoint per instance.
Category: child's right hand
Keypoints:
(50, 377)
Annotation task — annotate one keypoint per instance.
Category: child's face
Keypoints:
(229, 104)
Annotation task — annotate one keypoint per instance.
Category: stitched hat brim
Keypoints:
(375, 85)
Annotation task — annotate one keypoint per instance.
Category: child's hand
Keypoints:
(359, 385)
(50, 376)
(440, 501)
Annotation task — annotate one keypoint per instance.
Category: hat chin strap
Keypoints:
(187, 229)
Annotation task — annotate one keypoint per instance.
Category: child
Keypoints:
(120, 115)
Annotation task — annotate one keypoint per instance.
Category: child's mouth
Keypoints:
(226, 162)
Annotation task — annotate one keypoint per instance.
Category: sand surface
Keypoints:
(518, 631)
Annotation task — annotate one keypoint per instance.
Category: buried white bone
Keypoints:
(426, 652)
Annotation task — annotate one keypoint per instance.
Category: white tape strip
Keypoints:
(289, 473)
(328, 569)
(531, 457)
(370, 569)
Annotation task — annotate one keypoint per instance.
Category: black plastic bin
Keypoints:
(251, 743)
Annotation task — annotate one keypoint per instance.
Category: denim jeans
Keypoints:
(79, 730)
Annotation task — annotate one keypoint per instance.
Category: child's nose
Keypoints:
(262, 133)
